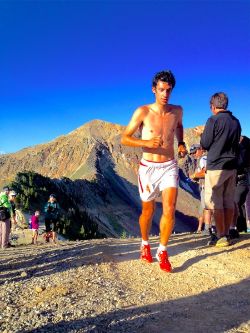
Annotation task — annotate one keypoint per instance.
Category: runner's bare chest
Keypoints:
(163, 125)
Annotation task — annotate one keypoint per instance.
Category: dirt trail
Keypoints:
(101, 286)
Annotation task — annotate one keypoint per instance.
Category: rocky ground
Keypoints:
(101, 286)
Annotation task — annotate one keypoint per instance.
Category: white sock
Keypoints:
(143, 242)
(161, 248)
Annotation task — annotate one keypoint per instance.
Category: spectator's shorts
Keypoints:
(51, 225)
(154, 177)
(219, 189)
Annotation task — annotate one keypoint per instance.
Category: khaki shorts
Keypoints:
(219, 189)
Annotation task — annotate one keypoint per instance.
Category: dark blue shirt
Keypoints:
(221, 138)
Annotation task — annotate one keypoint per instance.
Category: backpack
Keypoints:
(4, 213)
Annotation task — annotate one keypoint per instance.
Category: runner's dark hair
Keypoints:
(165, 76)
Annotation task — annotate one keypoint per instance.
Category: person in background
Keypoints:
(247, 208)
(187, 166)
(35, 226)
(242, 187)
(247, 203)
(52, 211)
(220, 138)
(12, 199)
(205, 215)
(199, 176)
(190, 161)
(5, 215)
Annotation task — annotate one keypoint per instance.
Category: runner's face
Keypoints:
(162, 92)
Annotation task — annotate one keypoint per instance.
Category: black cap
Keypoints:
(52, 196)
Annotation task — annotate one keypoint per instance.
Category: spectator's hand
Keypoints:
(194, 178)
(199, 130)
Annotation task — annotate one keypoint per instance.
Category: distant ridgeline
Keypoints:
(33, 192)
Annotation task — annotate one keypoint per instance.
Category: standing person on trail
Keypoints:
(199, 175)
(220, 138)
(159, 122)
(35, 226)
(52, 210)
(5, 214)
(12, 199)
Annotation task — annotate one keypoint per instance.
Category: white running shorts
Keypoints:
(154, 177)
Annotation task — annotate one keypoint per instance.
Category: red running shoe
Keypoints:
(146, 254)
(162, 257)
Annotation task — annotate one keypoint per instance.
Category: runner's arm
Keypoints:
(179, 128)
(128, 139)
(179, 135)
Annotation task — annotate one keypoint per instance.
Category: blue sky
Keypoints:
(64, 63)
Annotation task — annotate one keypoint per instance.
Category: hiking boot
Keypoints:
(222, 242)
(162, 257)
(213, 229)
(234, 233)
(146, 253)
(230, 242)
(213, 240)
(206, 232)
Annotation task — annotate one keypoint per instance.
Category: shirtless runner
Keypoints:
(158, 171)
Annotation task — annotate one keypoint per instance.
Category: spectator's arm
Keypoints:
(207, 136)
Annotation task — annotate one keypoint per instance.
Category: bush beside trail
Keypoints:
(33, 192)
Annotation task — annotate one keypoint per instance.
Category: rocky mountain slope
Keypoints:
(100, 286)
(102, 176)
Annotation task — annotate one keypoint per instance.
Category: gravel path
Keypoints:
(101, 286)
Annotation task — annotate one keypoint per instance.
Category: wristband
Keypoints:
(181, 143)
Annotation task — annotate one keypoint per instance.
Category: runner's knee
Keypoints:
(169, 210)
(148, 212)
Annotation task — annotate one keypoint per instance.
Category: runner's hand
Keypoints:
(182, 151)
(155, 142)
